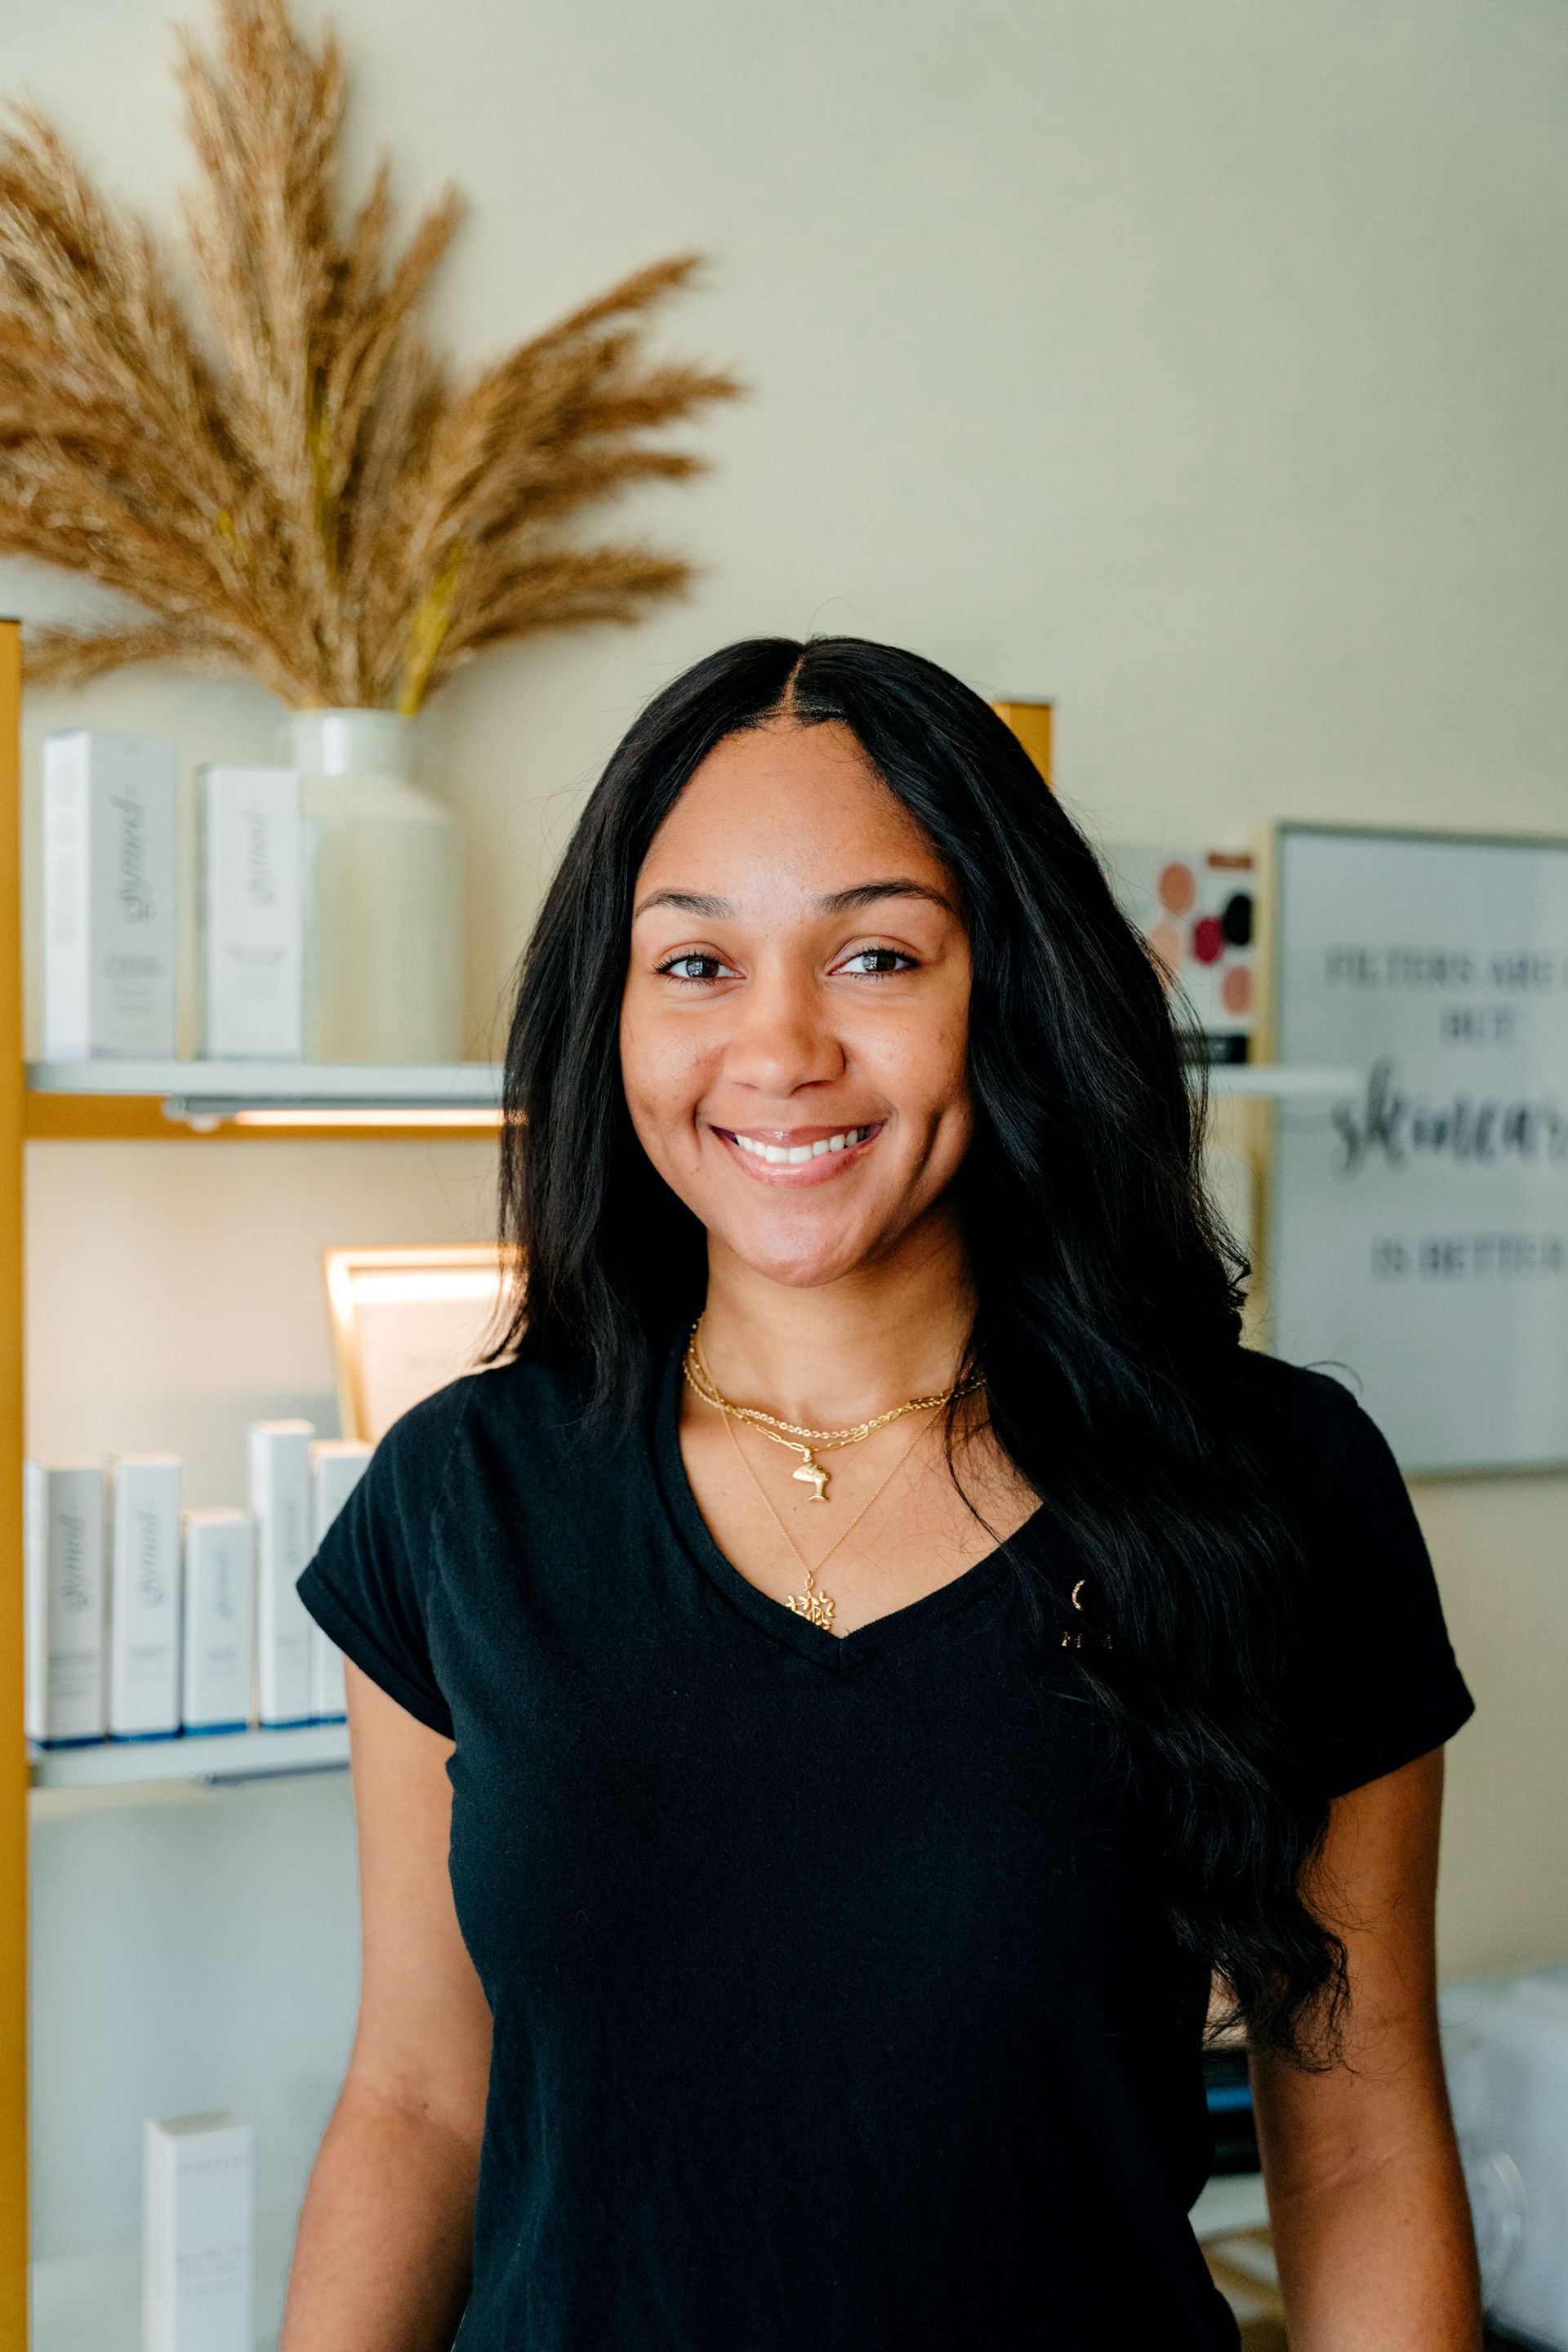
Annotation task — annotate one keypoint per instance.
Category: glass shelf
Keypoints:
(220, 1756)
(1282, 1081)
(335, 1085)
(108, 1100)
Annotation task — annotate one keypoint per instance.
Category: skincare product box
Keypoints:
(252, 919)
(199, 2256)
(337, 1465)
(62, 1516)
(280, 1498)
(145, 1597)
(109, 895)
(219, 1614)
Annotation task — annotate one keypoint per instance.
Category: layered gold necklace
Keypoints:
(808, 1443)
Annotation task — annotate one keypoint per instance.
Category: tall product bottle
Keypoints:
(383, 908)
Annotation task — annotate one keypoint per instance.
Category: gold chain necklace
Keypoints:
(807, 1442)
(817, 1607)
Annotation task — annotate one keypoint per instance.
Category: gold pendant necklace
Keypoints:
(799, 1439)
(816, 1607)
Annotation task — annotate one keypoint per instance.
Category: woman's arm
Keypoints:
(1365, 2196)
(381, 2261)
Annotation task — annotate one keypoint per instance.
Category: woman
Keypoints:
(883, 1647)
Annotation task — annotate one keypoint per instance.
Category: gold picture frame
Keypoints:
(407, 1320)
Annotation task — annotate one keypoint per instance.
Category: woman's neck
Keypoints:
(826, 1358)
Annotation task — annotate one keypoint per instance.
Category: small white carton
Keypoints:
(220, 1619)
(62, 1516)
(280, 1497)
(145, 1597)
(252, 914)
(108, 881)
(198, 2256)
(337, 1465)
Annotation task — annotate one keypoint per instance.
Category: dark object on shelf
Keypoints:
(1235, 921)
(1229, 2092)
(1212, 1047)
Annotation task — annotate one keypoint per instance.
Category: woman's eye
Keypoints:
(693, 968)
(875, 963)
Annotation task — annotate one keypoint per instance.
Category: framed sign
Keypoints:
(407, 1321)
(1418, 1229)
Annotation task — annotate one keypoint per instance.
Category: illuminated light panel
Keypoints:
(349, 1115)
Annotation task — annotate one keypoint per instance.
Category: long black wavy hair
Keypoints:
(1108, 1324)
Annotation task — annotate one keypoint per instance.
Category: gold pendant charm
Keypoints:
(813, 1474)
(815, 1607)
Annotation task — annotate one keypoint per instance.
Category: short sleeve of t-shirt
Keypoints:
(1376, 1684)
(368, 1586)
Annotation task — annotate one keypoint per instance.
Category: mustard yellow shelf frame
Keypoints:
(13, 1746)
(1032, 724)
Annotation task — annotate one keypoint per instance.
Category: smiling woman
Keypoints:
(827, 1711)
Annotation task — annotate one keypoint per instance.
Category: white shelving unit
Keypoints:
(244, 1839)
(212, 1757)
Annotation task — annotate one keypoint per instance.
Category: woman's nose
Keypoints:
(782, 1037)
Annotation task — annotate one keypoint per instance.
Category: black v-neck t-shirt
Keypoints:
(835, 2007)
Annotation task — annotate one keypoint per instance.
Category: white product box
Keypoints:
(217, 1642)
(145, 1597)
(109, 895)
(337, 1465)
(252, 919)
(280, 1497)
(198, 2258)
(62, 1514)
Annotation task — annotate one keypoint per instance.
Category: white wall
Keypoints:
(1203, 366)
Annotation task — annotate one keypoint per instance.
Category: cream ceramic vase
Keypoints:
(383, 910)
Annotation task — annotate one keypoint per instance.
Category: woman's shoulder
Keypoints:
(1309, 1425)
(531, 1404)
(513, 1432)
(1373, 1679)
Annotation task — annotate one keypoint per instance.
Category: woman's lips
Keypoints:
(798, 1155)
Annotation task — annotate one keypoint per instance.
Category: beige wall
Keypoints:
(1205, 366)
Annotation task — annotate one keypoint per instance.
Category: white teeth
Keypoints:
(783, 1155)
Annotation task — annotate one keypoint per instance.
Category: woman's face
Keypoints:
(795, 1016)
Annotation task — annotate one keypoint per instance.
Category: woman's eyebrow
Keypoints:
(689, 902)
(866, 894)
(836, 902)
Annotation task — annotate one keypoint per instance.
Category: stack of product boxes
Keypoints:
(110, 863)
(142, 1621)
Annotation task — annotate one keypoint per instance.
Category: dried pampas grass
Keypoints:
(304, 494)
